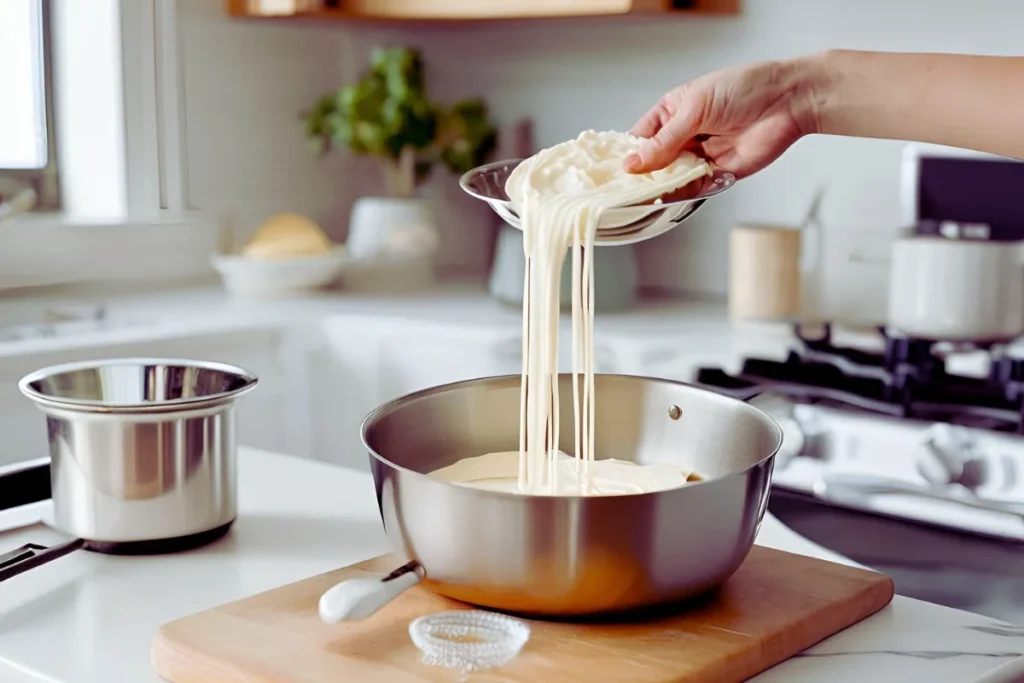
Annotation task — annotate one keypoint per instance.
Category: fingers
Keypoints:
(651, 122)
(664, 147)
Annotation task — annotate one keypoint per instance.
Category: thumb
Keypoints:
(657, 152)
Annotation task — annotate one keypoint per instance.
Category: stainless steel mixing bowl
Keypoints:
(566, 556)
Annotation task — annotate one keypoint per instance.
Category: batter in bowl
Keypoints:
(500, 472)
(560, 194)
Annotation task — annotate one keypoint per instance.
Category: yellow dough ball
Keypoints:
(288, 235)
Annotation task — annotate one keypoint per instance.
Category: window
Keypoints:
(27, 145)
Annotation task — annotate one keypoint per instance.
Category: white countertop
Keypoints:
(145, 314)
(89, 618)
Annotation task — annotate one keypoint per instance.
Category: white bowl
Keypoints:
(279, 277)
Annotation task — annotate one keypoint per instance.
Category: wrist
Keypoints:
(816, 81)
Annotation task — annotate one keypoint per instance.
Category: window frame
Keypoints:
(167, 240)
(45, 181)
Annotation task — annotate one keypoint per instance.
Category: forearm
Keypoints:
(958, 100)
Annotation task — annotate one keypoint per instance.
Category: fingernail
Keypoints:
(633, 163)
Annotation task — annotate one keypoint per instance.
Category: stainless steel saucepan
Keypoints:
(564, 556)
(142, 456)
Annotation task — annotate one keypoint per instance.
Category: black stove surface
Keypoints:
(945, 567)
(907, 379)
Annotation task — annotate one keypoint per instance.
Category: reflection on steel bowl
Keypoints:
(547, 555)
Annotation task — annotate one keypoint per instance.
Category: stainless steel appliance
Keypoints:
(941, 423)
(142, 456)
(565, 555)
(905, 444)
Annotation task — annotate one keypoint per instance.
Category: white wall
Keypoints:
(603, 74)
(245, 144)
(245, 85)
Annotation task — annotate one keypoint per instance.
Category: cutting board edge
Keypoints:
(368, 564)
(166, 653)
(169, 649)
(164, 643)
(871, 599)
(164, 663)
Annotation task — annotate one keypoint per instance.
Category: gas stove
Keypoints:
(905, 378)
(905, 454)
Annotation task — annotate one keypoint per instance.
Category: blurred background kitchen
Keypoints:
(167, 192)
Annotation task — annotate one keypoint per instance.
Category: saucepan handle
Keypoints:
(32, 555)
(355, 599)
(23, 484)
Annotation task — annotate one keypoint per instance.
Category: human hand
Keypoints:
(742, 119)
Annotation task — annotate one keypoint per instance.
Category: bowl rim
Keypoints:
(95, 406)
(465, 183)
(337, 254)
(390, 405)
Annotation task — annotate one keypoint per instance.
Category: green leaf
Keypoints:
(474, 139)
(388, 110)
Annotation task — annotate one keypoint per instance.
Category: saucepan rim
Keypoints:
(389, 406)
(96, 406)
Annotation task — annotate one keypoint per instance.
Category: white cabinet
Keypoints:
(374, 360)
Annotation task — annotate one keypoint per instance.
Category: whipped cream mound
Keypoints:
(499, 472)
(592, 164)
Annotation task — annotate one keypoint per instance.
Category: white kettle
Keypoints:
(957, 285)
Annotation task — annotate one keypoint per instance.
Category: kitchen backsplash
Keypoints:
(246, 84)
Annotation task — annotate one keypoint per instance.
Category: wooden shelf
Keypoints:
(468, 10)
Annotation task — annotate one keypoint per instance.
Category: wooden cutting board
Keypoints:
(776, 605)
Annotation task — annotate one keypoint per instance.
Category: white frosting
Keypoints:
(560, 194)
(500, 472)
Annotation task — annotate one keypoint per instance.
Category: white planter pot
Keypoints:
(392, 243)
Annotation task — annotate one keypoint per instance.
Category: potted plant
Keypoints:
(388, 115)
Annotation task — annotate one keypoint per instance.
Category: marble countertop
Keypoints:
(88, 618)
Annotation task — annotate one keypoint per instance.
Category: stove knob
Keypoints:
(1008, 372)
(815, 434)
(793, 442)
(946, 448)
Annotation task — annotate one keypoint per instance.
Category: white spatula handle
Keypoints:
(355, 599)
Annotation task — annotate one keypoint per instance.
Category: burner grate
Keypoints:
(908, 379)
